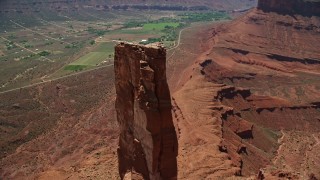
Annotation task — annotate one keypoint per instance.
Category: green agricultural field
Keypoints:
(107, 47)
(101, 53)
(141, 31)
(91, 59)
(159, 26)
(66, 39)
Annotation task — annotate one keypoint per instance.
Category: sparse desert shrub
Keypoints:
(44, 53)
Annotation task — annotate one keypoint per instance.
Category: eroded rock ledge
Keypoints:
(148, 142)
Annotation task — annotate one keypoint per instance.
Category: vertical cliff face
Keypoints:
(302, 7)
(148, 141)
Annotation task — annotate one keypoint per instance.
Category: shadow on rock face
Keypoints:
(148, 143)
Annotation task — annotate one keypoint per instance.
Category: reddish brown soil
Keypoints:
(68, 127)
(245, 95)
(62, 129)
(259, 77)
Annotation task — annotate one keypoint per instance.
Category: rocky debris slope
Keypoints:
(200, 132)
(268, 64)
(148, 141)
(251, 100)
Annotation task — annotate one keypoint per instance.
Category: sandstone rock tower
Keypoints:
(148, 142)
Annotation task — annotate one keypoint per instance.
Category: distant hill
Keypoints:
(23, 6)
(302, 7)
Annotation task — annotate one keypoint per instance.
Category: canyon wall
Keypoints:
(268, 62)
(302, 7)
(148, 142)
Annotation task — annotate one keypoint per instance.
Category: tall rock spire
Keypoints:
(148, 142)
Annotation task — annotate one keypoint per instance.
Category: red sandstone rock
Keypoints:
(302, 7)
(252, 72)
(148, 142)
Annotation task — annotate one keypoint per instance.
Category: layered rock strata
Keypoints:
(302, 7)
(273, 52)
(148, 141)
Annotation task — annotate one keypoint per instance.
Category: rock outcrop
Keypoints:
(269, 112)
(148, 141)
(302, 7)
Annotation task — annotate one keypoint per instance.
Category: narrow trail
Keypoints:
(178, 44)
(280, 141)
(83, 22)
(67, 62)
(39, 33)
(95, 16)
(54, 24)
(27, 49)
(38, 98)
(198, 57)
(317, 140)
(54, 79)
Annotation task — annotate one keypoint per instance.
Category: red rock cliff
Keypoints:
(148, 141)
(302, 7)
